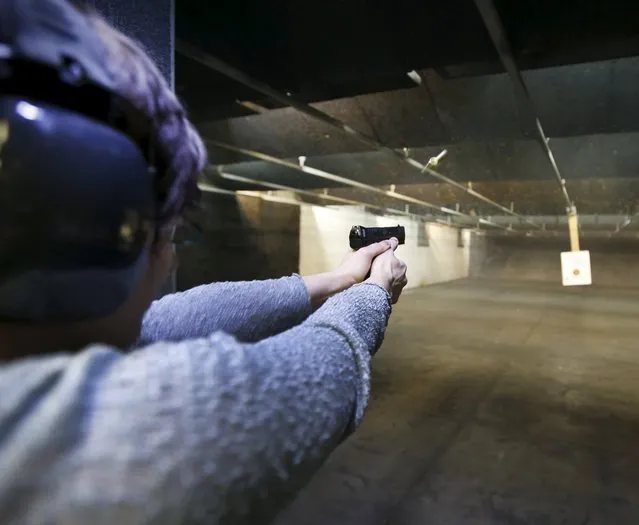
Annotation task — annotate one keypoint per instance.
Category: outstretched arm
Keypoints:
(204, 431)
(251, 311)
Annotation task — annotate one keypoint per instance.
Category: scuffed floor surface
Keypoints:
(498, 403)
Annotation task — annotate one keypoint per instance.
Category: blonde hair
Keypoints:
(138, 80)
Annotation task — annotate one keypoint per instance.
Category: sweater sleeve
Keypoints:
(203, 431)
(250, 311)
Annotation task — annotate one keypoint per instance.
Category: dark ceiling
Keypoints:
(350, 59)
(340, 48)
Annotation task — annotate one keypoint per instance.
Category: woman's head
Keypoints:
(132, 75)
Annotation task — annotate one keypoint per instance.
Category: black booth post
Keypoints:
(152, 23)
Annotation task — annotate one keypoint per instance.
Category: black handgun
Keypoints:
(361, 236)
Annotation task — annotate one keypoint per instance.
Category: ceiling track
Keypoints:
(303, 168)
(322, 196)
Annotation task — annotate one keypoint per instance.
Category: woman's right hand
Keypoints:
(389, 272)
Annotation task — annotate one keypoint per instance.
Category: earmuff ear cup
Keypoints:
(77, 212)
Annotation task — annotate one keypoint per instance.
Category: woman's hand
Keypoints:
(389, 272)
(354, 269)
(357, 265)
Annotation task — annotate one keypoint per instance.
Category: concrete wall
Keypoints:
(247, 238)
(244, 238)
(324, 243)
(614, 263)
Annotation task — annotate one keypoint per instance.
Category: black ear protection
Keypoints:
(79, 194)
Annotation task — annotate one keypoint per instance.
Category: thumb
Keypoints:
(378, 248)
(394, 243)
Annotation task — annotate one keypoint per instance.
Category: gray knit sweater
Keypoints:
(236, 395)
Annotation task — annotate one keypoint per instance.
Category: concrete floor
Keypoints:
(501, 403)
